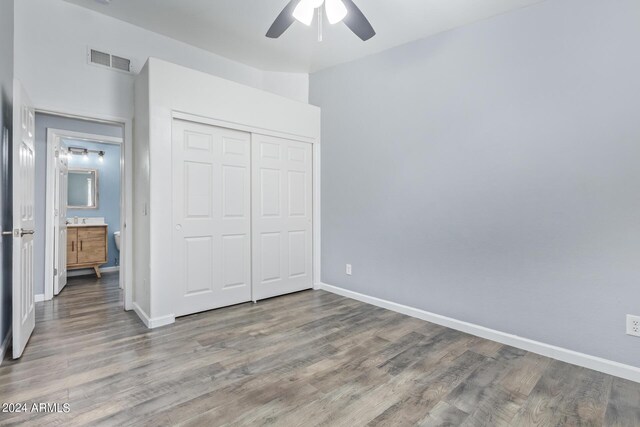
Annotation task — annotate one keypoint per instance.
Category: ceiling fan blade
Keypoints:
(283, 21)
(357, 22)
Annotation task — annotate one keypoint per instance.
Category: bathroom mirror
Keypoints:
(82, 189)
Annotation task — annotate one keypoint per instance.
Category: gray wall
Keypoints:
(44, 122)
(6, 99)
(491, 174)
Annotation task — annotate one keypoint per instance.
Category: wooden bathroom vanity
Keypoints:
(86, 246)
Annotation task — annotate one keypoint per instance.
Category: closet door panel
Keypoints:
(211, 215)
(282, 216)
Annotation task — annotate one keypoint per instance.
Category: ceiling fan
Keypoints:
(337, 11)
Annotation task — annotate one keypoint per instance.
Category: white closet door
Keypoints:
(212, 217)
(282, 216)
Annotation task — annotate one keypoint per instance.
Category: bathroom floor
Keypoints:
(86, 295)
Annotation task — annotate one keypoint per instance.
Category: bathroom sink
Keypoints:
(86, 222)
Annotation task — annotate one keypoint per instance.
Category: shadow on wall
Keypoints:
(6, 214)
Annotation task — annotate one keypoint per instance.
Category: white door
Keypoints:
(211, 217)
(282, 216)
(61, 190)
(24, 319)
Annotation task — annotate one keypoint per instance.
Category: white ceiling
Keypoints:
(235, 28)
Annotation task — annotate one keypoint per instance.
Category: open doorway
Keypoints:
(86, 180)
(79, 203)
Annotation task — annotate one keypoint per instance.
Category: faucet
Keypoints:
(84, 220)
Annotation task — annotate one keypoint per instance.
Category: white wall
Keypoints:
(50, 59)
(239, 105)
(141, 186)
(290, 85)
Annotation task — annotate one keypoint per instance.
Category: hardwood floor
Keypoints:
(311, 358)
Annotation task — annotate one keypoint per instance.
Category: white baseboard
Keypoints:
(88, 271)
(610, 367)
(153, 322)
(4, 347)
(39, 297)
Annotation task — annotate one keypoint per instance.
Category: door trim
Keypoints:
(126, 193)
(238, 126)
(316, 176)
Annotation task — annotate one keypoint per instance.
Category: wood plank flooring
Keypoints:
(312, 359)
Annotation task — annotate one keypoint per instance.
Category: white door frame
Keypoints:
(53, 140)
(316, 171)
(126, 198)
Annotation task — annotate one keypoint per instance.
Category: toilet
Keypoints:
(116, 235)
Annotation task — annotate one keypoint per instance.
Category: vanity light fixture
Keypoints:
(84, 152)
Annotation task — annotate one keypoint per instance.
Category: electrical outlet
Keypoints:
(633, 325)
(349, 269)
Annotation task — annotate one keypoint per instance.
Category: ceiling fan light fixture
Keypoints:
(304, 11)
(336, 11)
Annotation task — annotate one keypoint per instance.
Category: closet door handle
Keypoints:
(73, 246)
(81, 245)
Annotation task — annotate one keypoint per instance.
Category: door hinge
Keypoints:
(57, 154)
(55, 271)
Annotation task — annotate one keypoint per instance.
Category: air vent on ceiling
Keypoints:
(115, 62)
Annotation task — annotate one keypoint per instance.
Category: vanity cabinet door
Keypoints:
(72, 246)
(92, 243)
